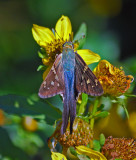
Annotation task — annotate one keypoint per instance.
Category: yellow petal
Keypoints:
(88, 56)
(58, 156)
(89, 152)
(63, 28)
(46, 61)
(42, 35)
(107, 65)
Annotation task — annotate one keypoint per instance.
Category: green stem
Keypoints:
(93, 113)
(82, 106)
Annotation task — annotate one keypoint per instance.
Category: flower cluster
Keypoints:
(81, 135)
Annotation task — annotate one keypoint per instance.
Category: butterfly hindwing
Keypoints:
(86, 81)
(54, 82)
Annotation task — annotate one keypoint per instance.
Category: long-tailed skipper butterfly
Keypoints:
(69, 76)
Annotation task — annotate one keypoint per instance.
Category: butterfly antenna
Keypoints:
(57, 34)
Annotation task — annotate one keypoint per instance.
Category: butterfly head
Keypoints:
(68, 45)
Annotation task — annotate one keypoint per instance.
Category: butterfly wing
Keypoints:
(86, 81)
(54, 82)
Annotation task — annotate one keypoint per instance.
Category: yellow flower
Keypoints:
(113, 80)
(29, 124)
(58, 156)
(52, 42)
(93, 155)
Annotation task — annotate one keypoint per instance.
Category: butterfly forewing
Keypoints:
(86, 81)
(54, 82)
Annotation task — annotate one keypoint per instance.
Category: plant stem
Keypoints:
(93, 113)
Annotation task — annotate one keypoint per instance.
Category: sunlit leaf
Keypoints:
(96, 145)
(102, 139)
(41, 55)
(102, 114)
(41, 67)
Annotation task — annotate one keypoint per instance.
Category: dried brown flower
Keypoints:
(81, 135)
(122, 148)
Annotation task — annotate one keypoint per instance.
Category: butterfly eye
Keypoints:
(68, 45)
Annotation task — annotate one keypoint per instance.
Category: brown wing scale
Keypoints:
(54, 82)
(86, 81)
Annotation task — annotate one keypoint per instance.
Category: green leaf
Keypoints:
(41, 67)
(80, 36)
(96, 145)
(101, 107)
(56, 101)
(8, 149)
(102, 114)
(20, 105)
(41, 55)
(102, 139)
(73, 151)
(122, 102)
(126, 111)
(130, 95)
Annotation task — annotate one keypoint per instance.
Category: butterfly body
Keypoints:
(69, 109)
(69, 76)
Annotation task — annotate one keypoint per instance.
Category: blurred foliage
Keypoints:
(111, 33)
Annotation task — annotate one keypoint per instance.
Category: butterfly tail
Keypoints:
(69, 109)
(72, 114)
(65, 115)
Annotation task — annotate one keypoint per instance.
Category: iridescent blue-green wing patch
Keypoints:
(54, 82)
(86, 81)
